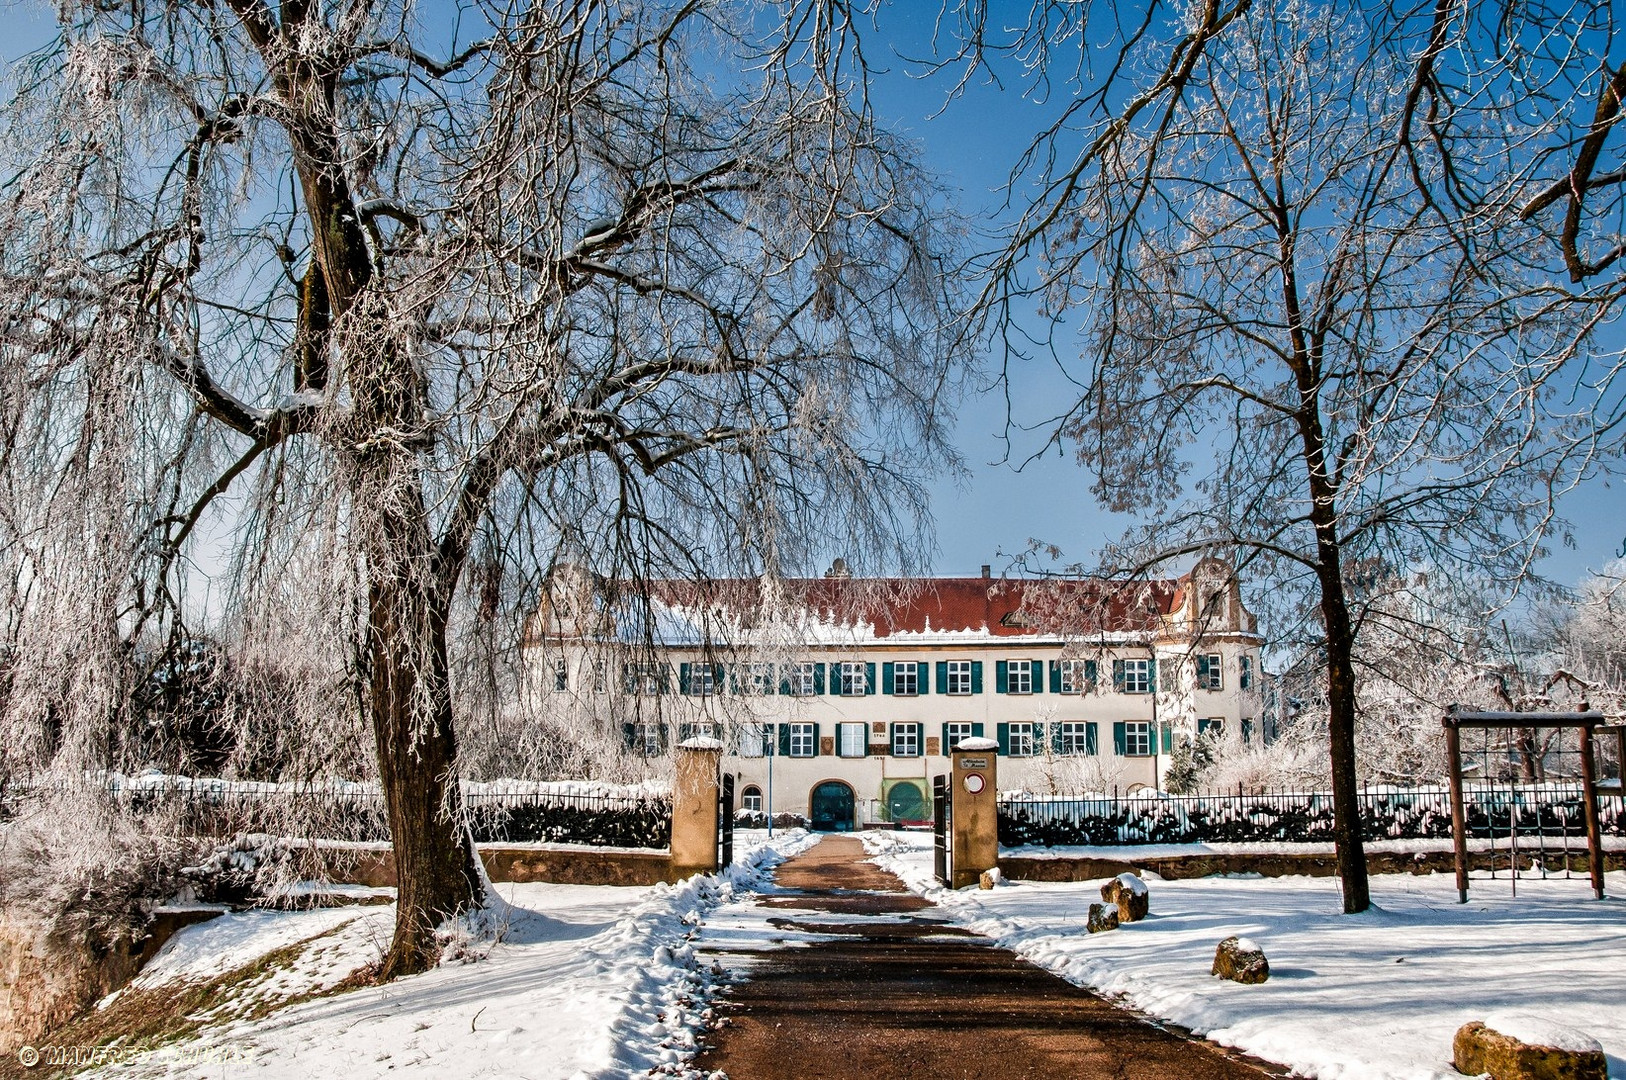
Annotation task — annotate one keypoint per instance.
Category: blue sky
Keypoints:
(1007, 498)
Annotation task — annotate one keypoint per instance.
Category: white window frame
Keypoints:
(1074, 738)
(959, 678)
(1012, 667)
(906, 671)
(561, 674)
(1138, 733)
(1214, 673)
(969, 731)
(852, 739)
(643, 677)
(751, 799)
(753, 740)
(852, 678)
(1073, 677)
(801, 679)
(804, 740)
(1021, 740)
(1138, 676)
(646, 738)
(759, 679)
(906, 736)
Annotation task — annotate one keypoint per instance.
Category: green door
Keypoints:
(831, 807)
(906, 802)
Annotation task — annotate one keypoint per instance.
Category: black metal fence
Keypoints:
(355, 813)
(1387, 813)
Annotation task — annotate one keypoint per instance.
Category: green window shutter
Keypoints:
(734, 680)
(942, 676)
(629, 735)
(947, 746)
(976, 731)
(1002, 732)
(1168, 738)
(1202, 669)
(1118, 676)
(1055, 676)
(815, 741)
(1002, 677)
(1151, 675)
(719, 677)
(784, 740)
(923, 677)
(666, 678)
(1091, 747)
(976, 676)
(887, 682)
(818, 678)
(869, 678)
(661, 737)
(784, 681)
(685, 678)
(1089, 675)
(1036, 675)
(1120, 738)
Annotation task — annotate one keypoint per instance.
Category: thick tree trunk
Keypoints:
(417, 753)
(1346, 808)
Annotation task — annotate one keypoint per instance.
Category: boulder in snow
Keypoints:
(1521, 1046)
(1240, 960)
(1131, 895)
(1102, 917)
(990, 878)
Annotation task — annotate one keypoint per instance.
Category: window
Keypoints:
(802, 679)
(852, 678)
(561, 674)
(1214, 726)
(645, 739)
(1019, 679)
(852, 740)
(804, 740)
(906, 678)
(699, 729)
(1076, 676)
(1138, 738)
(1210, 672)
(755, 740)
(643, 678)
(701, 679)
(1247, 729)
(954, 733)
(759, 679)
(1076, 737)
(905, 740)
(751, 799)
(1137, 677)
(1245, 673)
(1022, 739)
(959, 677)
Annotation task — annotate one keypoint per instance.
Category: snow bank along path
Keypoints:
(584, 982)
(1362, 997)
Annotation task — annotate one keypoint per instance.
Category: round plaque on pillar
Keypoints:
(974, 783)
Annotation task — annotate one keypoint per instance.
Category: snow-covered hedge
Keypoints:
(1388, 813)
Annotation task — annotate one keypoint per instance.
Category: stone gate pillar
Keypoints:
(974, 793)
(694, 807)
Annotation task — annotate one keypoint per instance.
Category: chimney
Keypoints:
(987, 571)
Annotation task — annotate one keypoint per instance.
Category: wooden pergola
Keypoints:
(1587, 722)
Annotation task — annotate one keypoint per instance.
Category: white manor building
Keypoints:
(839, 697)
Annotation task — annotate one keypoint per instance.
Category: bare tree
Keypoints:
(342, 297)
(1269, 273)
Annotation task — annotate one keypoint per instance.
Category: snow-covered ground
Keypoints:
(582, 982)
(1363, 997)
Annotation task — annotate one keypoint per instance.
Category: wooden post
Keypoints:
(1589, 796)
(1459, 817)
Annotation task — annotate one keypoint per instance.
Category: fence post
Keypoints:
(694, 807)
(975, 794)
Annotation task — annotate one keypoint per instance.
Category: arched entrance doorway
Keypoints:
(830, 807)
(906, 801)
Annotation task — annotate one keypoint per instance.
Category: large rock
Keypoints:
(1131, 895)
(991, 878)
(1520, 1046)
(1240, 960)
(1102, 917)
